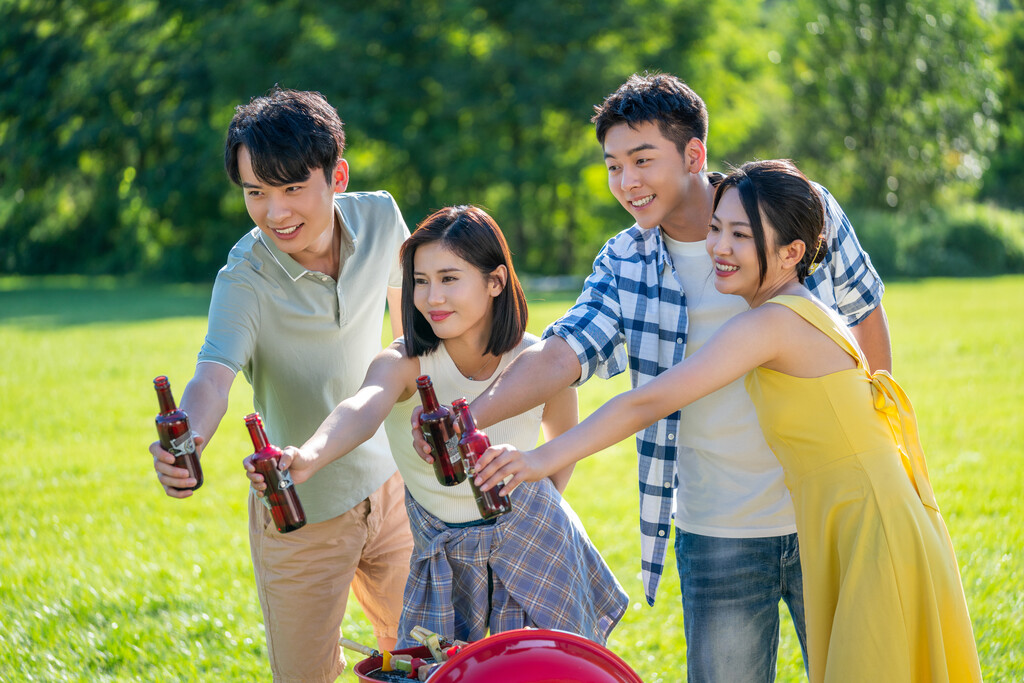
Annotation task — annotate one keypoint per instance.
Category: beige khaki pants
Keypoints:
(303, 578)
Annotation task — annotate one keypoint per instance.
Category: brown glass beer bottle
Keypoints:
(439, 431)
(280, 493)
(472, 445)
(175, 433)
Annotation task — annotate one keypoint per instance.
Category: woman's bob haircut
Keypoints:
(472, 235)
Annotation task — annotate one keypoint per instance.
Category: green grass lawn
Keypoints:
(103, 578)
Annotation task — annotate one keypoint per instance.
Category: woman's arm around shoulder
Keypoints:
(745, 342)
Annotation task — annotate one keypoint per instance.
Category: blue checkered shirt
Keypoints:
(632, 313)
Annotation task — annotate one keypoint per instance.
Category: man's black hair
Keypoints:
(661, 98)
(288, 133)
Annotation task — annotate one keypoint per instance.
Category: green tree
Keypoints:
(103, 138)
(112, 114)
(489, 102)
(1004, 179)
(891, 101)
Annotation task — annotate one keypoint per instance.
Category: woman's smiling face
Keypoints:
(452, 294)
(732, 248)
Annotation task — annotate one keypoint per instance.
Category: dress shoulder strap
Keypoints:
(813, 314)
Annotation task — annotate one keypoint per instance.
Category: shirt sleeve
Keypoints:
(401, 231)
(593, 327)
(233, 323)
(858, 288)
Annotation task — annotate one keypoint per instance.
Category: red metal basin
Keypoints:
(525, 656)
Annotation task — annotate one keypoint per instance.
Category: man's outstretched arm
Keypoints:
(534, 377)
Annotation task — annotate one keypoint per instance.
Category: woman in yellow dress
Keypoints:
(882, 589)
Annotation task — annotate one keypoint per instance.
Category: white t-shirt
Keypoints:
(731, 484)
(454, 504)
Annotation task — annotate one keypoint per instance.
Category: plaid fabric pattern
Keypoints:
(632, 315)
(534, 567)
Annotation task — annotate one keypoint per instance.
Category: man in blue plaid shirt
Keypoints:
(649, 303)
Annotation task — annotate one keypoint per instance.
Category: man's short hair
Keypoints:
(662, 98)
(288, 134)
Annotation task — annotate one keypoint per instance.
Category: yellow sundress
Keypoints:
(882, 592)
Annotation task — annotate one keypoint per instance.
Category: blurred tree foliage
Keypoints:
(113, 112)
(1004, 180)
(892, 100)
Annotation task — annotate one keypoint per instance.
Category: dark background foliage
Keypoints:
(113, 114)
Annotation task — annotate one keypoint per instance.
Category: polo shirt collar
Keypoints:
(292, 267)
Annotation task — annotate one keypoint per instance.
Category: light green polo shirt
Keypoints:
(304, 341)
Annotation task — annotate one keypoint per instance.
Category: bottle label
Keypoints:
(285, 480)
(183, 445)
(452, 446)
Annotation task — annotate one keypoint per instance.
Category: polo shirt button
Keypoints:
(668, 484)
(661, 532)
(679, 340)
(671, 437)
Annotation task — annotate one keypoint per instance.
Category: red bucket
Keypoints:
(524, 656)
(363, 669)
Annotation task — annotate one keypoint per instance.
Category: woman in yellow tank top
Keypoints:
(882, 589)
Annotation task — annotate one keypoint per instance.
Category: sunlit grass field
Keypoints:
(103, 578)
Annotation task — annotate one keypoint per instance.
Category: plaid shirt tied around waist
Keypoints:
(534, 567)
(632, 315)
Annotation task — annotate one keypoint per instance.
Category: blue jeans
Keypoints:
(731, 589)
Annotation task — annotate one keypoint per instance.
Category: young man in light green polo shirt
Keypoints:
(298, 309)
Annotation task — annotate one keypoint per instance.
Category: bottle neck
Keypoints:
(428, 397)
(166, 399)
(466, 417)
(258, 434)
